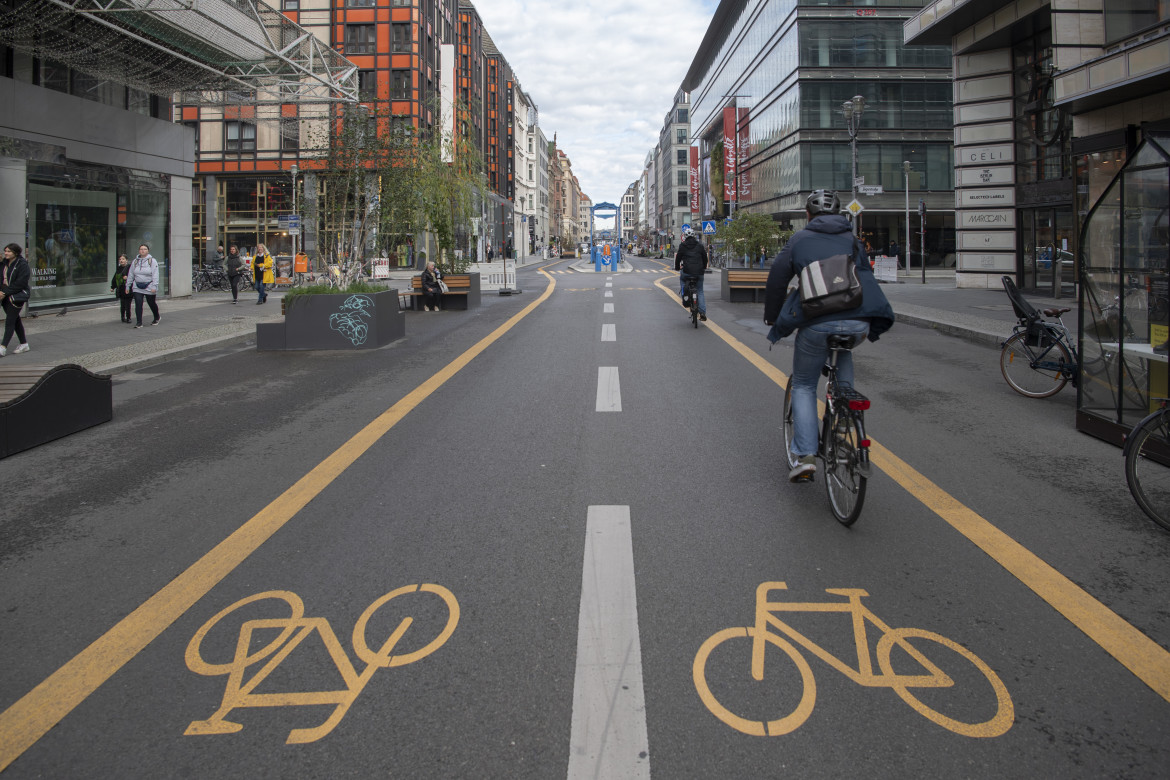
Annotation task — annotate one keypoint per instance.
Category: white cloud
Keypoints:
(603, 74)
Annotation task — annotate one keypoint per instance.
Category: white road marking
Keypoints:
(607, 309)
(609, 284)
(609, 293)
(608, 737)
(609, 278)
(609, 332)
(609, 391)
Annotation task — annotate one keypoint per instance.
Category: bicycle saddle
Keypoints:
(841, 341)
(1055, 312)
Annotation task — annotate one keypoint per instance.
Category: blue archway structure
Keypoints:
(612, 260)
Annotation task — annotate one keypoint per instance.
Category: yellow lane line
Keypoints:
(1145, 658)
(42, 708)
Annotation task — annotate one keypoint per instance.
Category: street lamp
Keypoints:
(852, 110)
(293, 171)
(906, 173)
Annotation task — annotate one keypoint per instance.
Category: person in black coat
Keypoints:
(15, 288)
(432, 291)
(691, 261)
(827, 234)
(118, 285)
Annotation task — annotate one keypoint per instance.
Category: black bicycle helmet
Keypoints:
(823, 202)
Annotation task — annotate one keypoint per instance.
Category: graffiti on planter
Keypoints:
(350, 320)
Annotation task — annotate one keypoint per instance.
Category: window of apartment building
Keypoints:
(1125, 19)
(400, 84)
(684, 198)
(400, 37)
(529, 171)
(681, 177)
(194, 125)
(402, 3)
(239, 137)
(682, 116)
(680, 156)
(291, 5)
(360, 39)
(360, 3)
(367, 85)
(681, 135)
(290, 135)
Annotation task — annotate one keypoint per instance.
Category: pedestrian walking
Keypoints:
(262, 272)
(217, 261)
(235, 269)
(431, 287)
(142, 282)
(118, 285)
(14, 291)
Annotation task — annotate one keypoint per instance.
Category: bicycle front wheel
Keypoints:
(845, 470)
(788, 429)
(1045, 379)
(1146, 471)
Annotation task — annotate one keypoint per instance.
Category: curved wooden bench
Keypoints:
(39, 403)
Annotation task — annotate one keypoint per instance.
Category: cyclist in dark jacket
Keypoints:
(691, 259)
(827, 234)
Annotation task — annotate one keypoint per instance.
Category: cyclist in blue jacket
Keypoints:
(827, 234)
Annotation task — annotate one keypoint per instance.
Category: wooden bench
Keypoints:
(39, 403)
(462, 292)
(742, 285)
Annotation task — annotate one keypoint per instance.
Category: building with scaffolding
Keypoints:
(87, 138)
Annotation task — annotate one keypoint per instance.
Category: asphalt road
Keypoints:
(215, 583)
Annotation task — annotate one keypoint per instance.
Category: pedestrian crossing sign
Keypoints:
(708, 227)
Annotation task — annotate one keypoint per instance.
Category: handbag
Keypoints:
(443, 286)
(829, 286)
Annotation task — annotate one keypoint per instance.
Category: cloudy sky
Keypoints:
(603, 74)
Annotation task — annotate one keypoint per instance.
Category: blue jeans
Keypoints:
(260, 289)
(810, 354)
(682, 288)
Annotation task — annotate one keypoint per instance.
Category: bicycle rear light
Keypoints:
(859, 404)
(863, 443)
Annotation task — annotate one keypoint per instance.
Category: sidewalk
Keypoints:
(95, 338)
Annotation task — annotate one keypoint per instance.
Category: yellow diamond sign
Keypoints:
(855, 207)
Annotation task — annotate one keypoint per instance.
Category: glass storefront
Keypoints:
(1125, 301)
(81, 217)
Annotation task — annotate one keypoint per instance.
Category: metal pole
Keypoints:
(293, 171)
(922, 245)
(853, 143)
(906, 174)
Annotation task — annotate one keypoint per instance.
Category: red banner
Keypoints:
(743, 149)
(729, 153)
(694, 179)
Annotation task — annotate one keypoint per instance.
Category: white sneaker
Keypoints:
(3, 352)
(21, 348)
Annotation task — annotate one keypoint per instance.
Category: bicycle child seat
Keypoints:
(1025, 311)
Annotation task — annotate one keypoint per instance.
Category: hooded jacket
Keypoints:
(19, 276)
(143, 269)
(826, 235)
(691, 257)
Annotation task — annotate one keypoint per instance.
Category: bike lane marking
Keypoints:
(1145, 658)
(609, 390)
(609, 332)
(42, 708)
(607, 309)
(608, 737)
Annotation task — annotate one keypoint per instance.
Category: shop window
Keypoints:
(360, 39)
(1125, 302)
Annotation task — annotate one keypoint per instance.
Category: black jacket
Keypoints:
(691, 257)
(19, 277)
(430, 281)
(234, 264)
(826, 235)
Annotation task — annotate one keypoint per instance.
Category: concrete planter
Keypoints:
(335, 321)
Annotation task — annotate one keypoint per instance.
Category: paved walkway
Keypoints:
(95, 338)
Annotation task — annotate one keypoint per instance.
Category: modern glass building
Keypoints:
(774, 74)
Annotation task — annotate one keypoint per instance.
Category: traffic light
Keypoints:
(922, 209)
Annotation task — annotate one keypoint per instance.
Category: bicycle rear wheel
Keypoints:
(1146, 471)
(1015, 363)
(844, 470)
(787, 428)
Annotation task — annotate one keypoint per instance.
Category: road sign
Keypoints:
(686, 226)
(859, 181)
(854, 208)
(871, 189)
(294, 231)
(708, 227)
(294, 220)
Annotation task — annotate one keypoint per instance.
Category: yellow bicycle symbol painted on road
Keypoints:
(770, 629)
(293, 630)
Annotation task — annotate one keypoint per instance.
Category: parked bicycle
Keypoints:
(209, 278)
(1147, 464)
(843, 447)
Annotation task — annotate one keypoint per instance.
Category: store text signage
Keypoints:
(987, 262)
(999, 196)
(989, 218)
(984, 155)
(999, 174)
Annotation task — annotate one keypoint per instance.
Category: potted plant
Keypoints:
(363, 316)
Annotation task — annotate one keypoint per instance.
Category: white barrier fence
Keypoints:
(885, 269)
(495, 275)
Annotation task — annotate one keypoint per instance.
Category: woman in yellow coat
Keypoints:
(262, 272)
